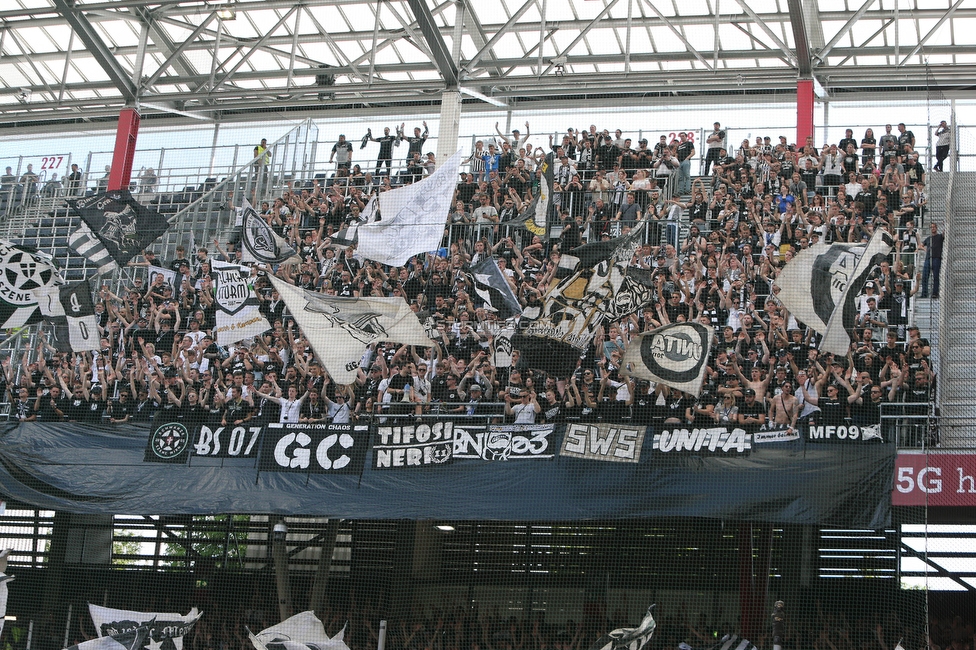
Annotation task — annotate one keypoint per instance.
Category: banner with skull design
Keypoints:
(601, 286)
(123, 226)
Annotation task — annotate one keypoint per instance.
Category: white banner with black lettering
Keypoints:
(238, 315)
(504, 442)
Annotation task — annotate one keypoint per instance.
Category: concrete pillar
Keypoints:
(450, 125)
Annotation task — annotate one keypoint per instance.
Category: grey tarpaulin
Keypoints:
(89, 469)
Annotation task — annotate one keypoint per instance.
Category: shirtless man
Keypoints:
(783, 409)
(755, 381)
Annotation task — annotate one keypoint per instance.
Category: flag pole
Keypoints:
(381, 638)
(779, 624)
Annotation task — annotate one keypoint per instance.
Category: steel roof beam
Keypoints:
(439, 51)
(825, 50)
(583, 32)
(931, 33)
(801, 44)
(98, 49)
(676, 32)
(761, 24)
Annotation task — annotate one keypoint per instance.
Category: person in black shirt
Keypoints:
(47, 407)
(236, 410)
(415, 143)
(76, 409)
(144, 409)
(192, 413)
(385, 156)
(120, 411)
(751, 414)
(96, 405)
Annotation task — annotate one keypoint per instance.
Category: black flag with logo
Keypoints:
(71, 313)
(121, 224)
(675, 355)
(492, 287)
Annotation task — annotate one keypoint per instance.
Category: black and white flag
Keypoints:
(820, 286)
(302, 631)
(600, 286)
(70, 311)
(123, 226)
(734, 642)
(238, 315)
(535, 216)
(261, 243)
(340, 329)
(494, 289)
(165, 631)
(348, 235)
(134, 639)
(675, 355)
(628, 638)
(23, 270)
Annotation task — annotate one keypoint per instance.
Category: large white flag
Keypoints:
(675, 355)
(238, 315)
(412, 218)
(819, 286)
(300, 632)
(340, 329)
(166, 631)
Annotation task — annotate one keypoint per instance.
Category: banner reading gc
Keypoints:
(314, 448)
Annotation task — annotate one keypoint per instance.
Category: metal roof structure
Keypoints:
(66, 61)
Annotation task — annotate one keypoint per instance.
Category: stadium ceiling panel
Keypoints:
(70, 60)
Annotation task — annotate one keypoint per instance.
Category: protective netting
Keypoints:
(494, 490)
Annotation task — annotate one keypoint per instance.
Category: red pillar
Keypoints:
(125, 149)
(804, 111)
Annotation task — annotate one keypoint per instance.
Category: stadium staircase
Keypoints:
(956, 358)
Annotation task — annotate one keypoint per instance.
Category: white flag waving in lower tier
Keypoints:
(300, 632)
(820, 285)
(412, 218)
(675, 355)
(238, 316)
(340, 329)
(134, 639)
(628, 638)
(165, 631)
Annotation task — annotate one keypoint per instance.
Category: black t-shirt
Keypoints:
(753, 410)
(76, 409)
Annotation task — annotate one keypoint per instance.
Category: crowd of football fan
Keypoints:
(460, 628)
(755, 206)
